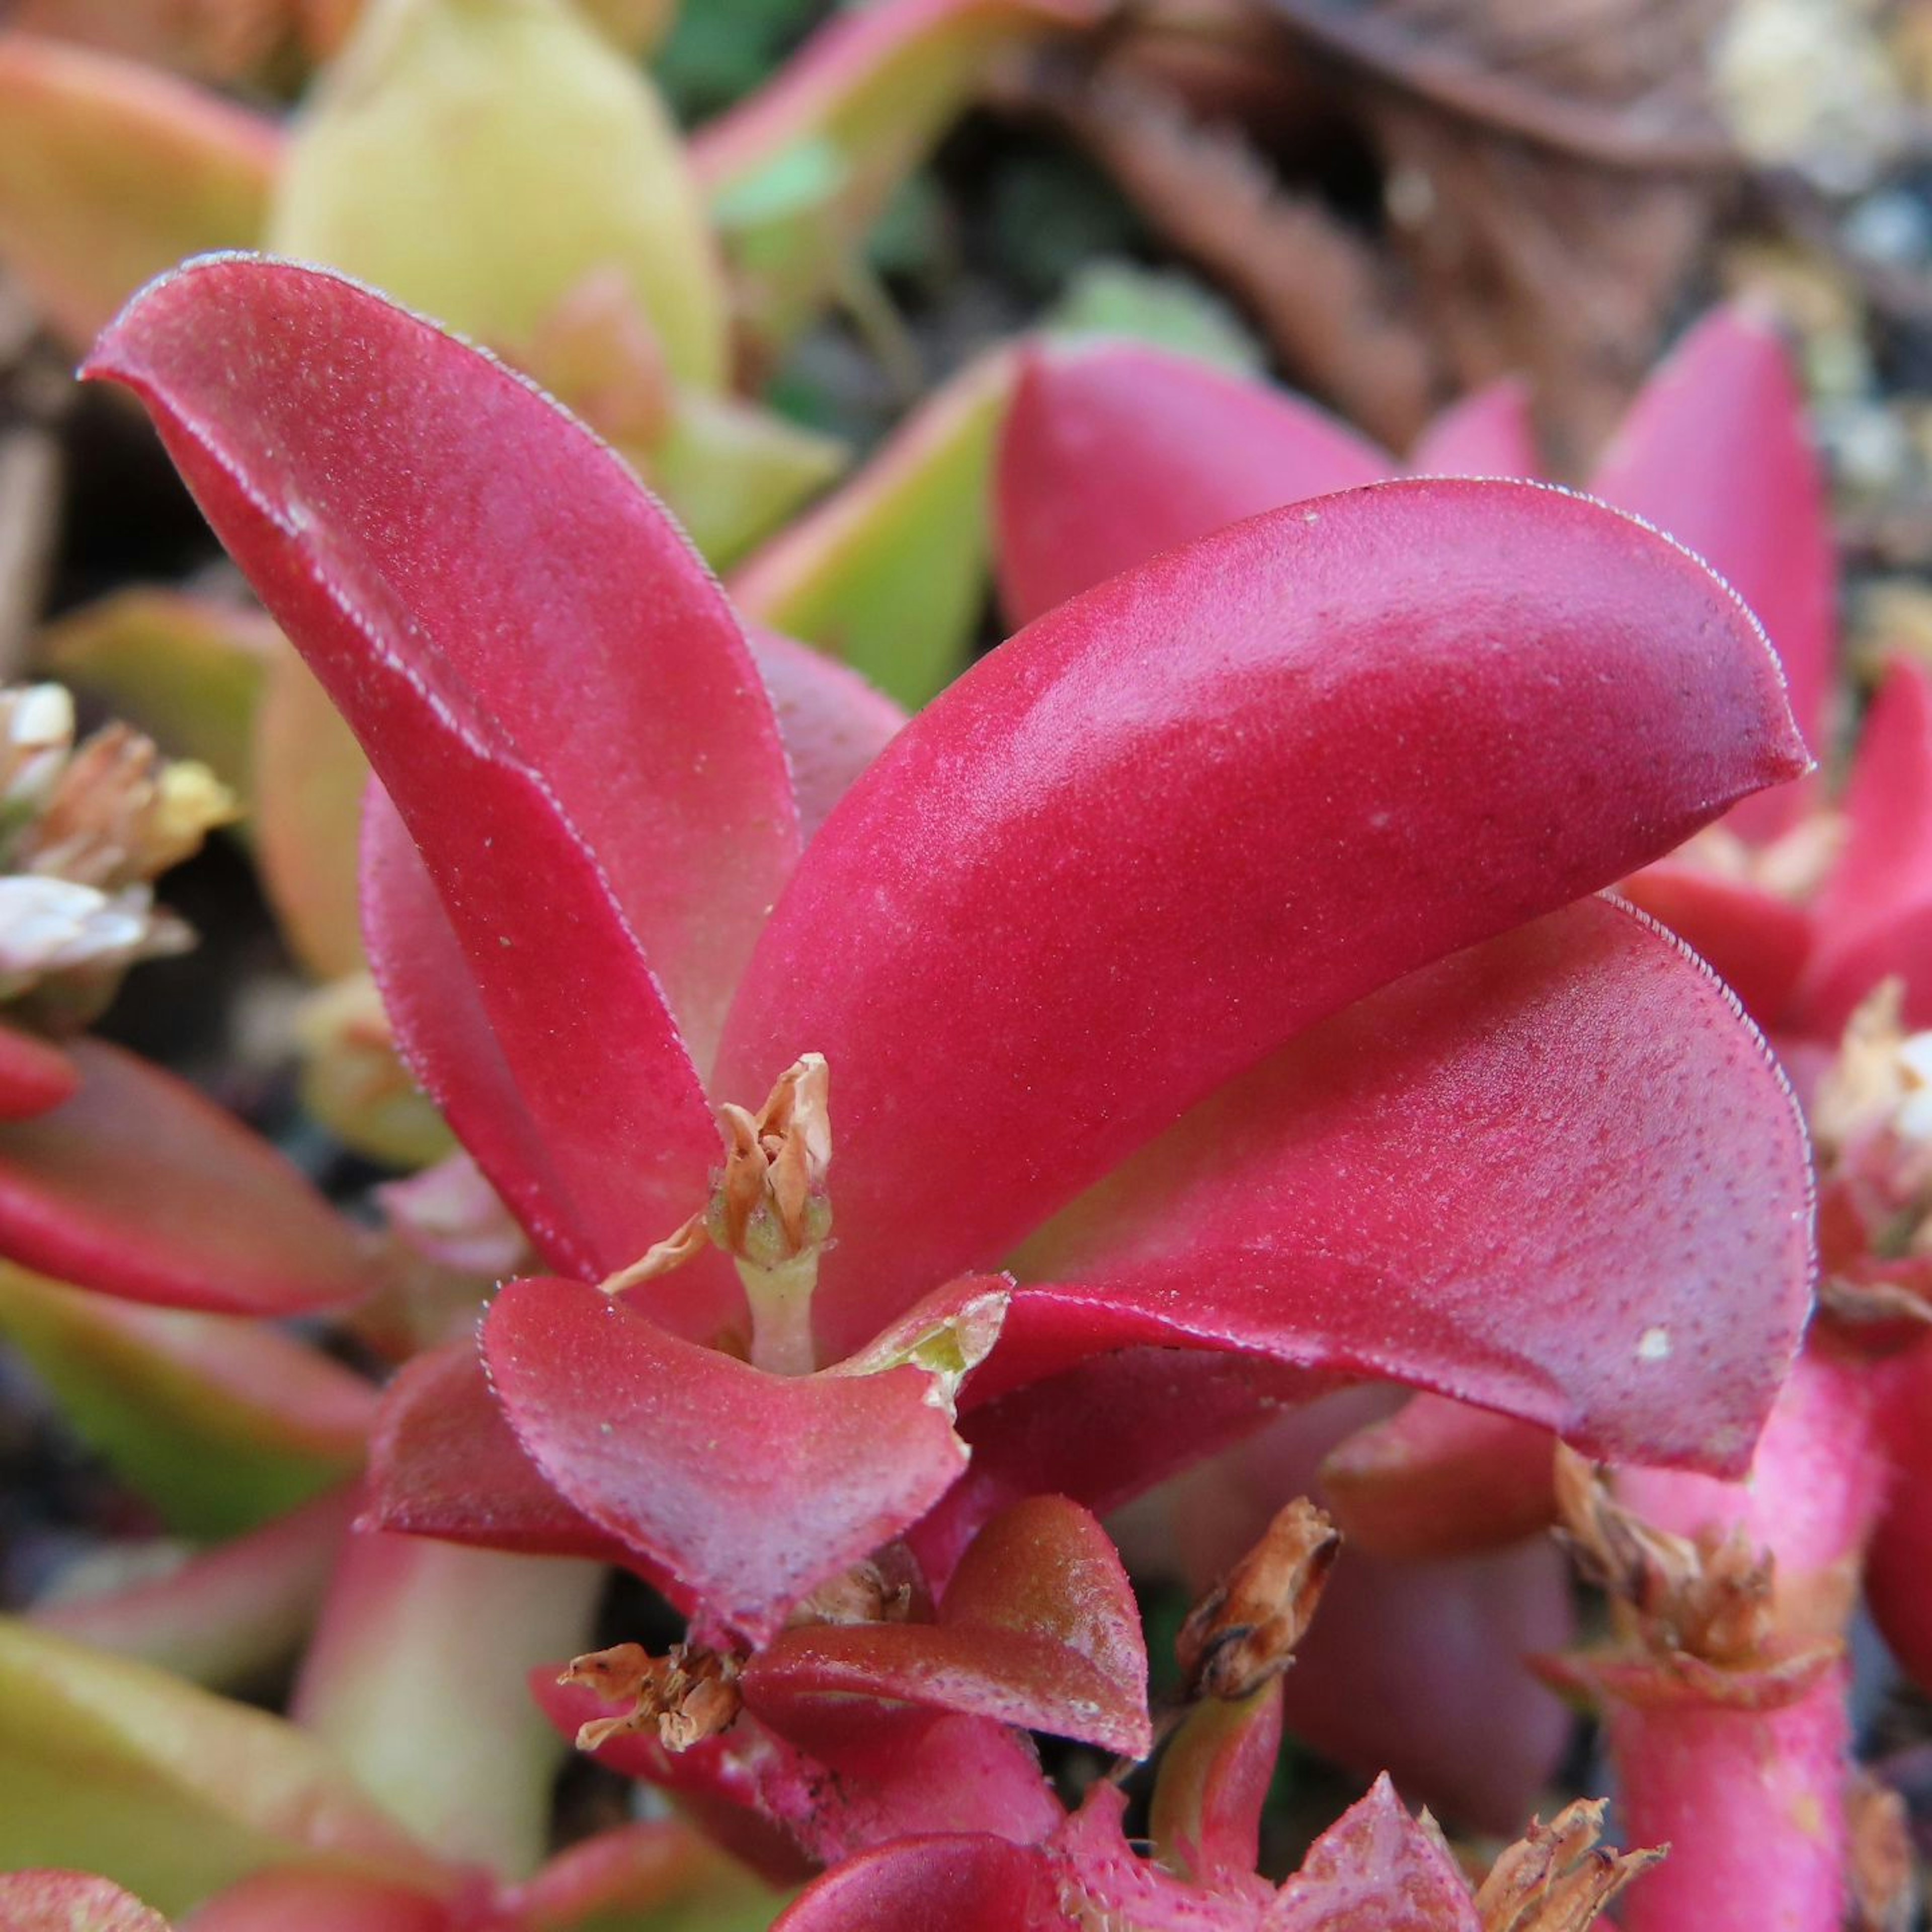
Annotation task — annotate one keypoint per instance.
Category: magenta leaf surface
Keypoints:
(632, 1426)
(140, 1187)
(1573, 696)
(1715, 450)
(34, 1075)
(1037, 1628)
(1113, 452)
(1552, 1174)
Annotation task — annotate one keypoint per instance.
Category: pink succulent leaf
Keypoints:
(833, 723)
(1716, 451)
(627, 1421)
(948, 1884)
(1439, 1479)
(1490, 434)
(1756, 942)
(35, 1075)
(1038, 1628)
(1113, 452)
(138, 1185)
(231, 1614)
(1103, 1432)
(1215, 1774)
(1874, 916)
(999, 876)
(67, 1901)
(392, 493)
(1098, 1877)
(388, 487)
(1628, 1261)
(652, 1867)
(445, 1463)
(867, 1783)
(1376, 1870)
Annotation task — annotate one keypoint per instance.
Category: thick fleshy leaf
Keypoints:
(443, 1462)
(65, 1901)
(889, 574)
(221, 1423)
(1490, 434)
(1756, 943)
(389, 490)
(1715, 450)
(1553, 1175)
(110, 172)
(1113, 452)
(1440, 1479)
(292, 1900)
(479, 158)
(951, 1884)
(1874, 916)
(188, 670)
(998, 878)
(1038, 1627)
(1376, 1866)
(227, 1619)
(416, 1679)
(799, 171)
(140, 1187)
(165, 1788)
(35, 1075)
(626, 1420)
(834, 724)
(309, 778)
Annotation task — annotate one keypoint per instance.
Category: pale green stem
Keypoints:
(781, 1299)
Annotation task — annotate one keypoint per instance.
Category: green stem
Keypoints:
(781, 1299)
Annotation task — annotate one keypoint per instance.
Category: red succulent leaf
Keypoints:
(1376, 1870)
(999, 877)
(138, 1185)
(834, 724)
(1756, 942)
(1112, 452)
(1490, 434)
(953, 1883)
(34, 1075)
(1715, 450)
(1439, 1478)
(477, 581)
(68, 1901)
(1104, 1433)
(627, 1422)
(1629, 1262)
(1038, 1628)
(444, 1030)
(888, 1777)
(1874, 916)
(444, 1462)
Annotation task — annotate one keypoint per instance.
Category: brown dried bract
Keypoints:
(769, 1204)
(863, 1594)
(1244, 1631)
(1558, 1877)
(1885, 1885)
(1709, 1598)
(688, 1694)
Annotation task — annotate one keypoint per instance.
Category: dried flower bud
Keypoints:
(863, 1594)
(1883, 1872)
(1710, 1598)
(1558, 1877)
(688, 1694)
(1244, 1631)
